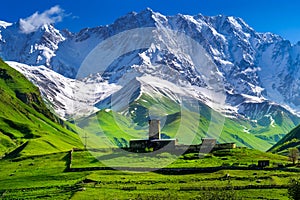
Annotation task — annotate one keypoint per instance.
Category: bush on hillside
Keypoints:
(294, 189)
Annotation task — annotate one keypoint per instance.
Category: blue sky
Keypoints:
(277, 16)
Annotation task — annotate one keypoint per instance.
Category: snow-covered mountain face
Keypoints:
(256, 68)
(61, 93)
(35, 48)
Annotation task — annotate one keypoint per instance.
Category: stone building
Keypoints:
(225, 146)
(154, 140)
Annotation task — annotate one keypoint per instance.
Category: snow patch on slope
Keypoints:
(5, 24)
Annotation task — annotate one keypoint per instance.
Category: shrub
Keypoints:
(229, 194)
(294, 155)
(294, 189)
(164, 155)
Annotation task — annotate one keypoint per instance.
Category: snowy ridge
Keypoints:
(157, 88)
(5, 24)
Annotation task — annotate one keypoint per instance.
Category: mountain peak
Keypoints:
(149, 10)
(236, 23)
(144, 18)
(148, 13)
(31, 27)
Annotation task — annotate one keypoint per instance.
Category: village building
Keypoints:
(263, 163)
(155, 142)
(225, 146)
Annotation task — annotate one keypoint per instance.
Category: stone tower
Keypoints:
(154, 129)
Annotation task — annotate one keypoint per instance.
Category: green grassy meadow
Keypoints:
(45, 177)
(242, 157)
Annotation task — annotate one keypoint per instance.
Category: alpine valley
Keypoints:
(257, 75)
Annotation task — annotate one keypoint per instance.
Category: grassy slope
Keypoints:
(291, 140)
(238, 157)
(183, 124)
(259, 136)
(24, 117)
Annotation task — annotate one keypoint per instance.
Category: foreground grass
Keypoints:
(45, 177)
(235, 157)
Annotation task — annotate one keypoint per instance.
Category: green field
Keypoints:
(45, 177)
(242, 157)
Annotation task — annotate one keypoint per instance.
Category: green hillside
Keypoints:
(25, 121)
(113, 132)
(291, 140)
(117, 128)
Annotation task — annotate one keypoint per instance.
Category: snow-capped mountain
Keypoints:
(257, 70)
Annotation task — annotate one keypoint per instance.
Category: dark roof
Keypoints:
(157, 140)
(139, 140)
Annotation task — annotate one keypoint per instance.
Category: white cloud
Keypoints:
(35, 21)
